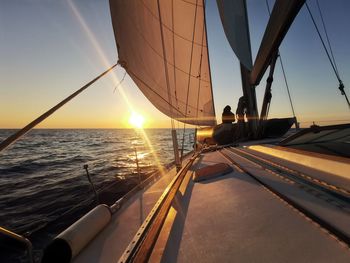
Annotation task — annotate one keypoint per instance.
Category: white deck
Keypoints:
(227, 219)
(234, 219)
(341, 181)
(110, 244)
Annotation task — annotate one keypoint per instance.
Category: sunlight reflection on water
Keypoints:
(47, 166)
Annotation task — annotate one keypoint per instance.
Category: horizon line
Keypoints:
(125, 128)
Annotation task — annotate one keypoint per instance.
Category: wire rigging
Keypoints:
(191, 57)
(199, 84)
(284, 74)
(164, 59)
(173, 29)
(327, 38)
(189, 78)
(341, 85)
(287, 86)
(175, 82)
(183, 142)
(120, 82)
(173, 131)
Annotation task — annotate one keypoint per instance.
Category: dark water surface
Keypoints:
(42, 176)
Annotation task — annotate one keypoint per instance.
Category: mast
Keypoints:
(281, 18)
(248, 89)
(267, 96)
(250, 96)
(234, 18)
(233, 14)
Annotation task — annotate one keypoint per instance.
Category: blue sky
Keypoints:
(46, 54)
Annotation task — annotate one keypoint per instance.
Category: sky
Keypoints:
(50, 48)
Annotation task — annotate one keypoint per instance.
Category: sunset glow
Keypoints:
(79, 40)
(136, 120)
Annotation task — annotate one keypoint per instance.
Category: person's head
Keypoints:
(227, 108)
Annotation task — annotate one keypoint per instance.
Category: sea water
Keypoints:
(42, 175)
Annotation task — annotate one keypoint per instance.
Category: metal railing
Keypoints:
(21, 239)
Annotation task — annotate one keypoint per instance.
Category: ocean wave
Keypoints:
(42, 177)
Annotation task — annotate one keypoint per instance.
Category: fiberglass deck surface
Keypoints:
(234, 219)
(110, 244)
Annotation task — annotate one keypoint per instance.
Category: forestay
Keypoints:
(163, 47)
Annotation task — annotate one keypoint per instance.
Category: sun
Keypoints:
(136, 120)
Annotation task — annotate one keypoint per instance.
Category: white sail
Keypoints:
(234, 19)
(146, 32)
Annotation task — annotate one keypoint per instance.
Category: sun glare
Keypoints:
(136, 120)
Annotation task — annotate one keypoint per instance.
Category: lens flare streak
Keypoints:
(115, 79)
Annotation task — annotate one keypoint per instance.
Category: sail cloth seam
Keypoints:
(200, 68)
(156, 93)
(165, 63)
(156, 52)
(206, 40)
(199, 84)
(174, 57)
(190, 3)
(166, 27)
(133, 24)
(181, 101)
(166, 71)
(189, 79)
(191, 58)
(178, 161)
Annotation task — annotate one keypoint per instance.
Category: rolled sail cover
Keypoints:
(163, 47)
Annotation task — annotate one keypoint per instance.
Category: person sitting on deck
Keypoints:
(224, 132)
(227, 115)
(240, 112)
